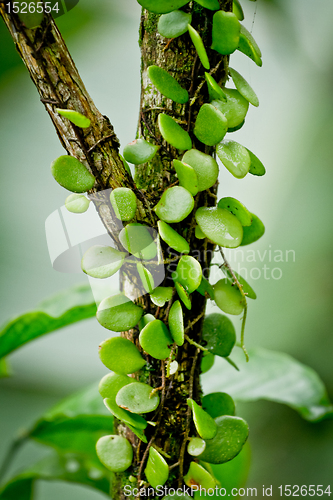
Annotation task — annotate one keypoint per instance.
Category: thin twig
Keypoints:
(98, 142)
(192, 342)
(192, 323)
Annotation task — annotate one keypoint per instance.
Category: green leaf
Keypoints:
(256, 167)
(73, 116)
(254, 232)
(157, 470)
(188, 273)
(197, 476)
(211, 125)
(4, 368)
(214, 90)
(101, 261)
(77, 203)
(161, 295)
(118, 313)
(146, 277)
(207, 362)
(236, 208)
(206, 287)
(249, 46)
(174, 24)
(183, 295)
(115, 453)
(137, 398)
(196, 446)
(176, 323)
(226, 31)
(251, 294)
(220, 226)
(228, 297)
(234, 157)
(218, 404)
(209, 4)
(232, 474)
(237, 10)
(204, 423)
(139, 151)
(137, 239)
(205, 167)
(167, 84)
(162, 6)
(199, 46)
(172, 238)
(155, 338)
(244, 88)
(276, 377)
(124, 203)
(187, 176)
(71, 174)
(173, 133)
(235, 108)
(69, 306)
(71, 469)
(121, 355)
(219, 333)
(175, 205)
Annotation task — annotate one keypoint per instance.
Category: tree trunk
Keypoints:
(60, 86)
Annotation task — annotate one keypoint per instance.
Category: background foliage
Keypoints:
(291, 132)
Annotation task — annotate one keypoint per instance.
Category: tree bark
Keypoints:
(60, 86)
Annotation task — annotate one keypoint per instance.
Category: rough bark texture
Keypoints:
(59, 85)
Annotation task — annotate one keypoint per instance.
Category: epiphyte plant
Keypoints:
(165, 433)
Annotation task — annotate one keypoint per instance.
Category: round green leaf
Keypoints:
(236, 208)
(209, 4)
(232, 433)
(139, 151)
(172, 238)
(244, 88)
(251, 294)
(199, 234)
(256, 167)
(146, 277)
(115, 453)
(207, 361)
(204, 423)
(112, 383)
(228, 298)
(219, 333)
(161, 295)
(211, 125)
(173, 133)
(77, 118)
(234, 157)
(237, 10)
(249, 46)
(123, 202)
(183, 295)
(155, 338)
(220, 226)
(175, 204)
(218, 404)
(206, 288)
(71, 174)
(187, 176)
(137, 239)
(188, 273)
(176, 323)
(138, 432)
(167, 85)
(77, 203)
(198, 477)
(214, 90)
(234, 108)
(120, 355)
(118, 313)
(102, 261)
(205, 167)
(174, 24)
(254, 232)
(162, 6)
(226, 31)
(31, 19)
(125, 416)
(136, 398)
(157, 470)
(199, 46)
(196, 446)
(145, 320)
(126, 165)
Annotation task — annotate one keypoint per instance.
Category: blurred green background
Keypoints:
(291, 132)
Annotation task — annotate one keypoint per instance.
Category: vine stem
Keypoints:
(240, 288)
